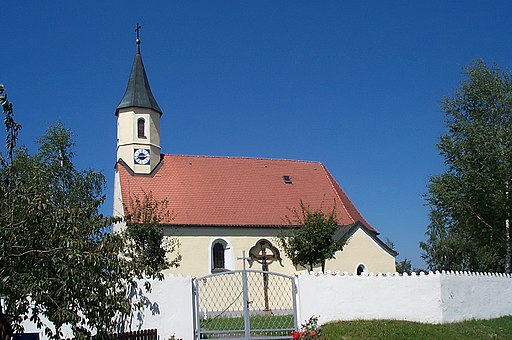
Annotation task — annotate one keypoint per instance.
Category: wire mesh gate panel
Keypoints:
(245, 304)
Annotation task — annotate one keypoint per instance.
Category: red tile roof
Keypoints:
(230, 191)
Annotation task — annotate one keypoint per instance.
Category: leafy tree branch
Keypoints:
(311, 241)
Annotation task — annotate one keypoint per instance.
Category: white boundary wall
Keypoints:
(433, 298)
(172, 312)
(168, 308)
(428, 298)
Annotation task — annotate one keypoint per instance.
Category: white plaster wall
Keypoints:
(173, 299)
(432, 298)
(168, 309)
(467, 296)
(118, 209)
(349, 297)
(30, 327)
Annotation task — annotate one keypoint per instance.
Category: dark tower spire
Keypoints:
(138, 93)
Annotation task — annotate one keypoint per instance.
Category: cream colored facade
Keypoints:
(361, 249)
(128, 140)
(196, 251)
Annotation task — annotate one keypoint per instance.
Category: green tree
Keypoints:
(403, 266)
(311, 242)
(149, 248)
(470, 203)
(56, 260)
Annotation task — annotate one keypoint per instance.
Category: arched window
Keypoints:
(361, 269)
(218, 257)
(141, 128)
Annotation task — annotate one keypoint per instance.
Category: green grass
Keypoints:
(273, 324)
(257, 322)
(387, 329)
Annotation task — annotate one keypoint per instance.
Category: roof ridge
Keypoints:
(246, 157)
(349, 207)
(326, 172)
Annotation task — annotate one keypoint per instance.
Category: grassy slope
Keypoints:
(386, 329)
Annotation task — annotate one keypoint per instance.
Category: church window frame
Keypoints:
(141, 128)
(220, 256)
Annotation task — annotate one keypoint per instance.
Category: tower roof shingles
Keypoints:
(138, 93)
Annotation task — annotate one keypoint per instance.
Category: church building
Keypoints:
(223, 207)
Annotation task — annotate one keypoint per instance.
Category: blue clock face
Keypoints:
(141, 156)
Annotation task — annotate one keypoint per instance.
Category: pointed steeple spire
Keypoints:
(138, 93)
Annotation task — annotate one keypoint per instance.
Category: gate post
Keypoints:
(196, 312)
(294, 280)
(247, 321)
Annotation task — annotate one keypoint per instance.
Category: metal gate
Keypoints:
(245, 304)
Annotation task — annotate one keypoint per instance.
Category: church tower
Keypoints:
(138, 121)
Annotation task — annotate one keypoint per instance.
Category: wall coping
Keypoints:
(443, 273)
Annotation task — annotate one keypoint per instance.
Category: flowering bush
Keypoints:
(308, 330)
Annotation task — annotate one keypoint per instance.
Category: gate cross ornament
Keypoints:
(258, 253)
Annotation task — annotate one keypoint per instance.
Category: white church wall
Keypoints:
(337, 297)
(427, 298)
(168, 308)
(467, 295)
(171, 309)
(31, 327)
(432, 298)
(118, 210)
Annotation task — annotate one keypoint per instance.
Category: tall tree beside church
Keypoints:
(471, 203)
(312, 243)
(56, 260)
(149, 248)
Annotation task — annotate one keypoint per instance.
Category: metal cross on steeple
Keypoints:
(137, 41)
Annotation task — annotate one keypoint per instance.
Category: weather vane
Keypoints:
(137, 41)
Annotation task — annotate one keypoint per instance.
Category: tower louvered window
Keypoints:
(141, 127)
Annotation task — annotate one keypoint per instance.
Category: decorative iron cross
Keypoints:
(264, 253)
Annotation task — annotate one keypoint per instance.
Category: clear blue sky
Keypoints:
(356, 85)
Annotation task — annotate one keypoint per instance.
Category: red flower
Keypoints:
(313, 333)
(296, 335)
